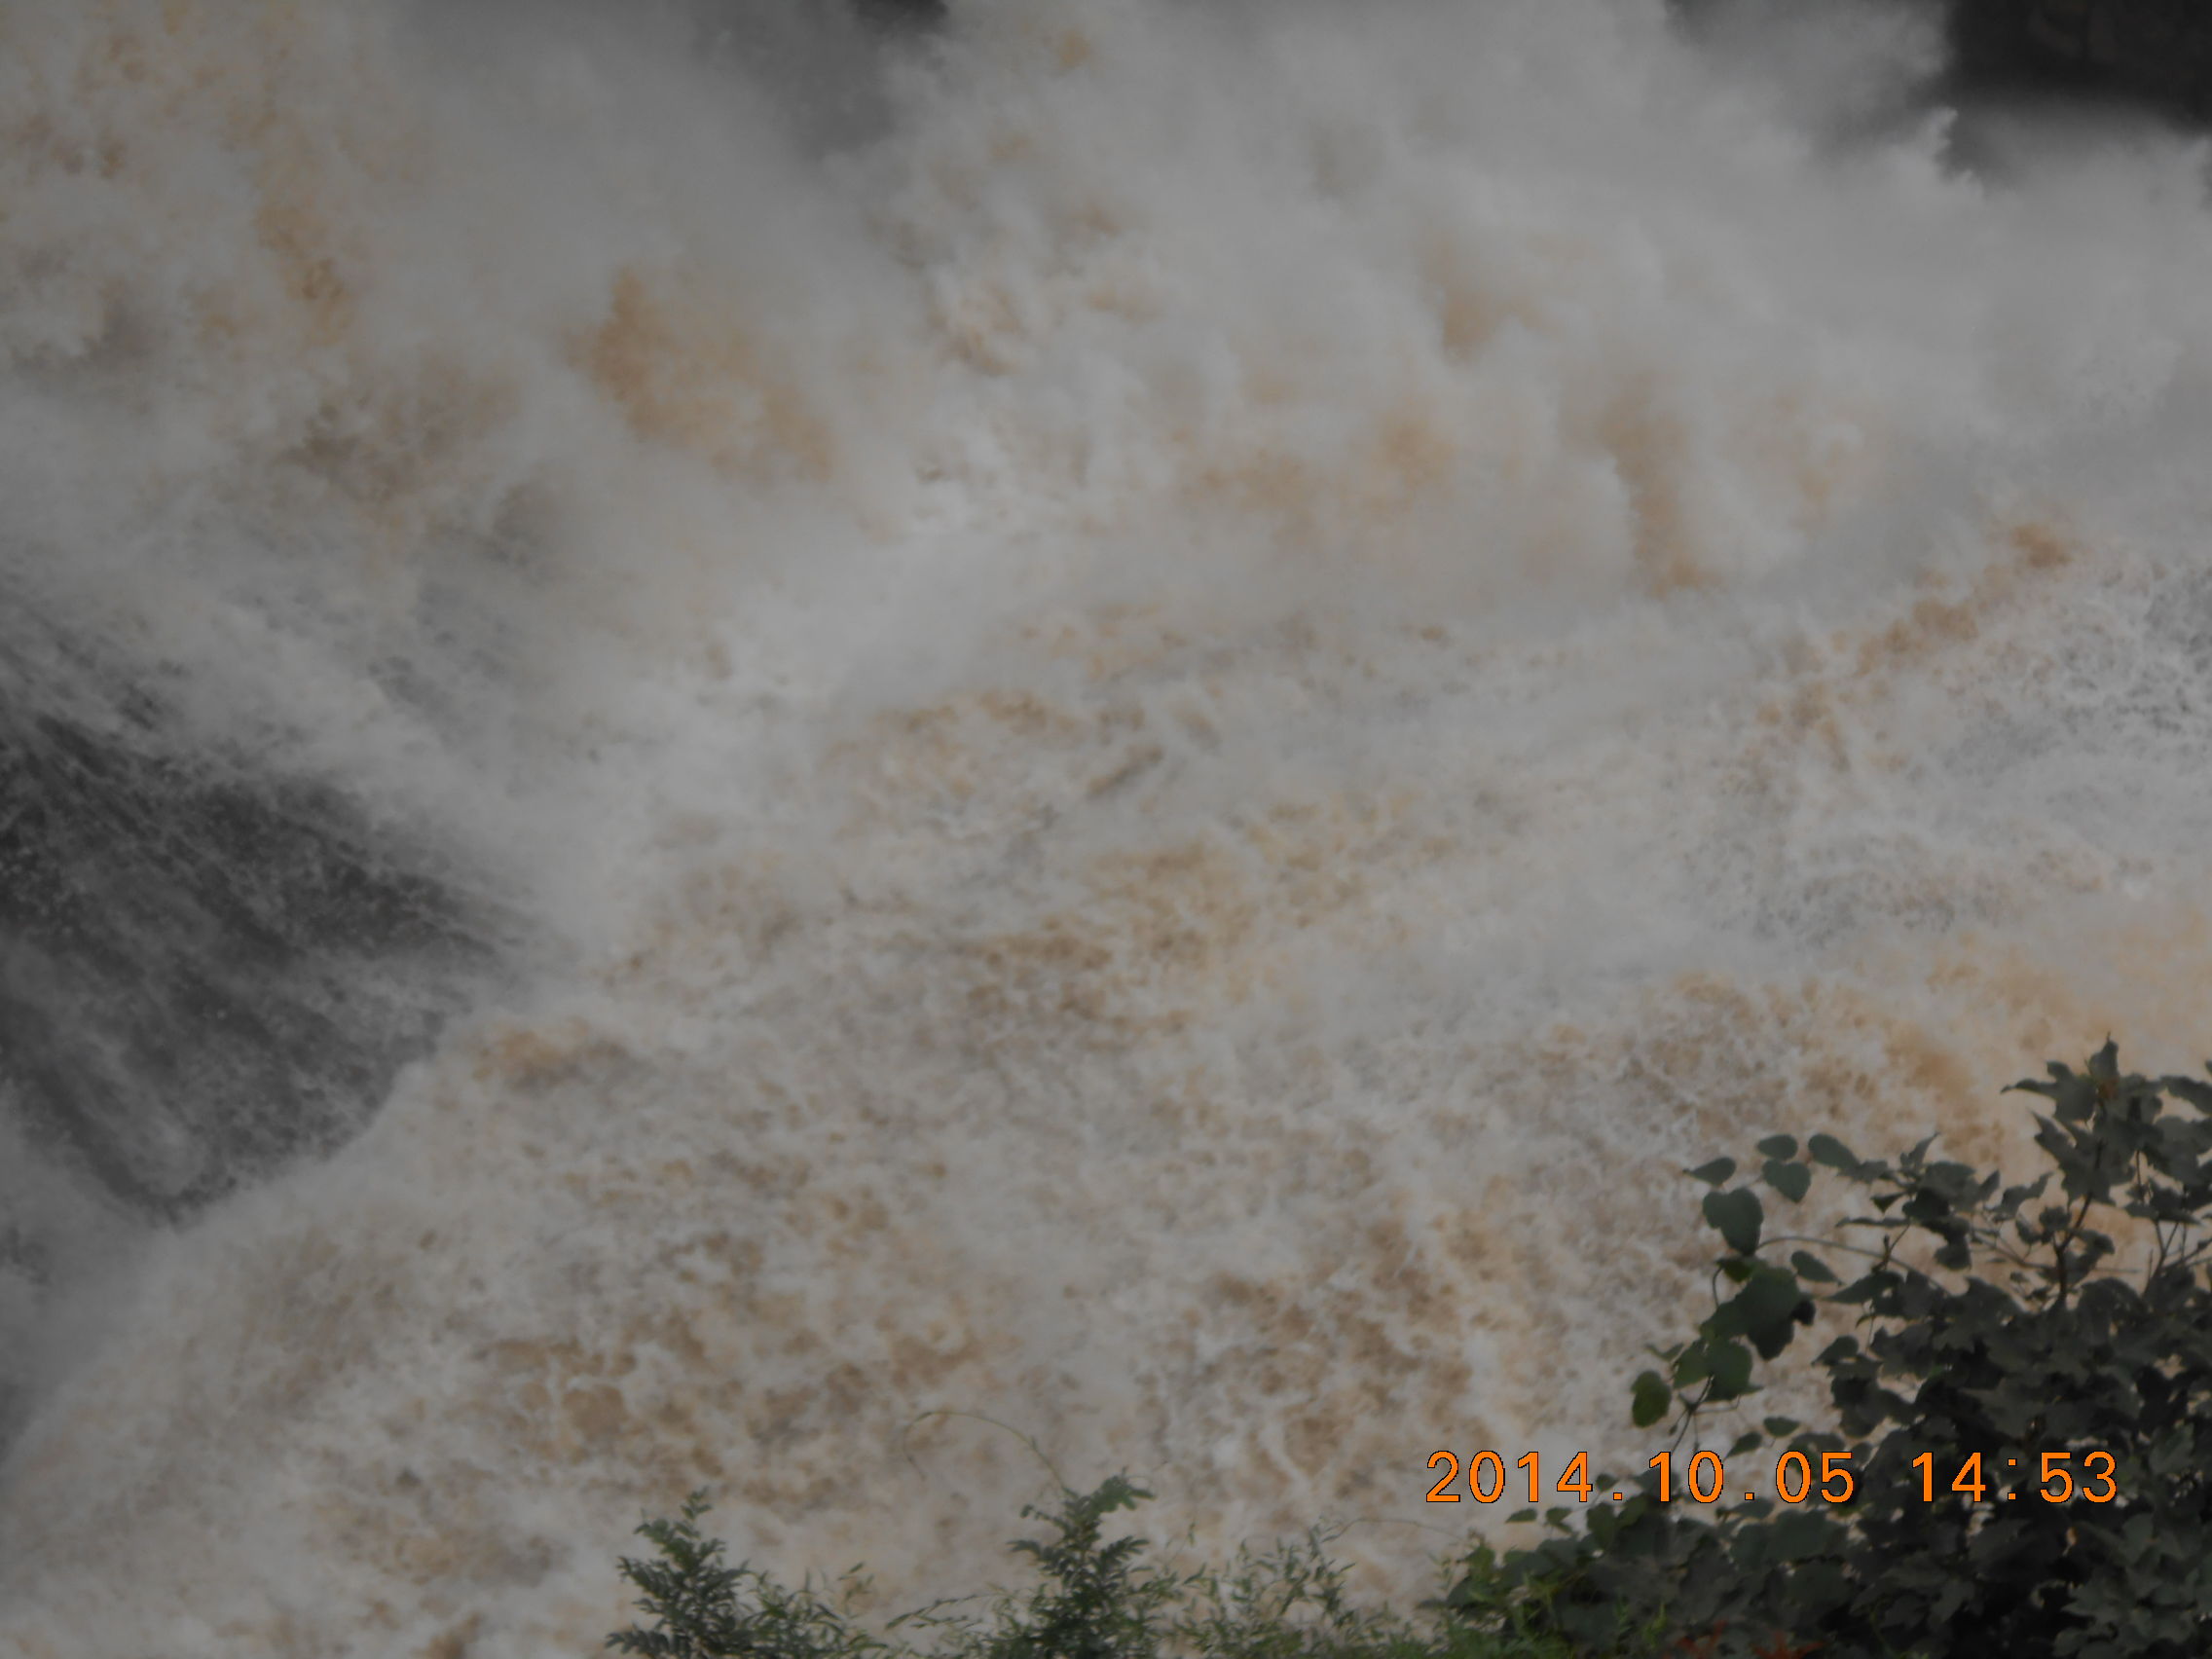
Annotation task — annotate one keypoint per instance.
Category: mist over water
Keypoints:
(1124, 718)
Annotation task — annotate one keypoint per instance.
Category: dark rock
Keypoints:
(204, 973)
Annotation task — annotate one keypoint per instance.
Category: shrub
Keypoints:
(702, 1609)
(2001, 1334)
(1095, 1599)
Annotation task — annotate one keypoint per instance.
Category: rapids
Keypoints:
(729, 736)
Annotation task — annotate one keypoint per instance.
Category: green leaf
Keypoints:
(1828, 1149)
(1811, 1266)
(2189, 1090)
(1736, 1216)
(1866, 1288)
(1651, 1398)
(1731, 1363)
(1779, 1146)
(2074, 1097)
(1714, 1173)
(1763, 1310)
(1790, 1180)
(1798, 1533)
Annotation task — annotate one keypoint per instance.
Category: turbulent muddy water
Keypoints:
(728, 737)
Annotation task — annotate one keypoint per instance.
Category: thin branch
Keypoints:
(1813, 1238)
(1035, 1449)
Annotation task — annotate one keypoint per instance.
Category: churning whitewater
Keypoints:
(731, 737)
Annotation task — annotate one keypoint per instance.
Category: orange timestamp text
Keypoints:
(1794, 1477)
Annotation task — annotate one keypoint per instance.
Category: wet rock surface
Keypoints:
(204, 972)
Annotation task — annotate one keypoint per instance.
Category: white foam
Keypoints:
(1180, 730)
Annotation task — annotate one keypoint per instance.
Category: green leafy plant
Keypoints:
(1095, 1599)
(702, 1609)
(1290, 1603)
(2004, 1337)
